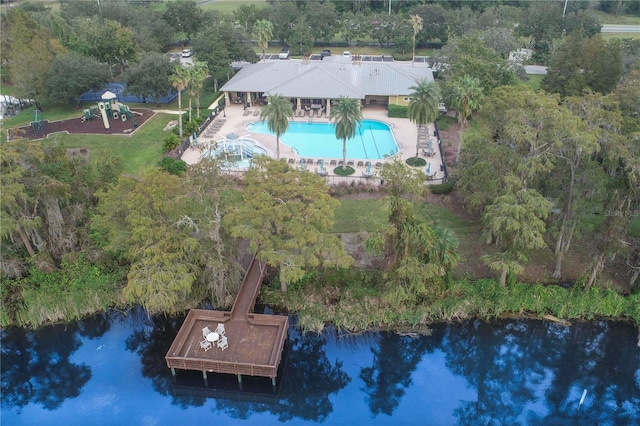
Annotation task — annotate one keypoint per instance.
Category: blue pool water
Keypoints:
(373, 139)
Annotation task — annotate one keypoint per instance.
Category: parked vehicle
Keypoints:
(187, 53)
(284, 53)
(325, 52)
(346, 54)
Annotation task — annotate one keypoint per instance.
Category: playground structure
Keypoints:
(110, 109)
(37, 124)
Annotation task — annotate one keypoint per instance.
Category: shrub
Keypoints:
(344, 171)
(443, 189)
(416, 162)
(173, 166)
(171, 142)
(444, 121)
(397, 111)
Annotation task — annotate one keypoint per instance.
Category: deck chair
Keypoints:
(223, 343)
(360, 164)
(256, 112)
(220, 329)
(206, 332)
(206, 345)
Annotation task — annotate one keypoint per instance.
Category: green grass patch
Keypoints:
(634, 231)
(610, 36)
(359, 215)
(534, 81)
(440, 215)
(607, 18)
(230, 5)
(140, 151)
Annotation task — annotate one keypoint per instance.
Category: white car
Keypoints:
(187, 53)
(284, 53)
(346, 54)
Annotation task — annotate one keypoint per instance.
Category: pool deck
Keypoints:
(236, 121)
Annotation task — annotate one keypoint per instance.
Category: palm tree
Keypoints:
(445, 250)
(416, 23)
(199, 73)
(179, 80)
(423, 107)
(277, 112)
(466, 95)
(347, 116)
(264, 29)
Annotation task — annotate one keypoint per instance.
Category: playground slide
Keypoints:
(103, 112)
(105, 117)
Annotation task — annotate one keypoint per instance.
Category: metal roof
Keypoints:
(328, 80)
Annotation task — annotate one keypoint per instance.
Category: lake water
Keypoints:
(110, 370)
(373, 140)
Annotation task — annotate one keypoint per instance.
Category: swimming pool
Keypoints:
(373, 140)
(239, 153)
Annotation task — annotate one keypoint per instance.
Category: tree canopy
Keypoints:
(286, 215)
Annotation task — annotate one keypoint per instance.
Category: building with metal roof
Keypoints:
(311, 85)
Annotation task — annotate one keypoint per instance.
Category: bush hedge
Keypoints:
(443, 189)
(397, 111)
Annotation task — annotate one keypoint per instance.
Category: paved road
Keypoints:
(610, 28)
(535, 69)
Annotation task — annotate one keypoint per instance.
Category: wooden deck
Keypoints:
(255, 340)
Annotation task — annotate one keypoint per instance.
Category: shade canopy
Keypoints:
(108, 96)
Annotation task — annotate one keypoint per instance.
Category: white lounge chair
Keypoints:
(220, 329)
(206, 332)
(223, 343)
(206, 345)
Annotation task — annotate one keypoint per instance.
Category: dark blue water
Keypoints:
(110, 370)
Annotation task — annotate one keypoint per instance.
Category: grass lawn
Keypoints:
(610, 36)
(534, 81)
(230, 5)
(138, 152)
(634, 231)
(359, 215)
(606, 18)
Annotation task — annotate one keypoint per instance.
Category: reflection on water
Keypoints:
(110, 369)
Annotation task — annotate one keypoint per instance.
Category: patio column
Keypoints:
(328, 107)
(250, 100)
(299, 105)
(227, 101)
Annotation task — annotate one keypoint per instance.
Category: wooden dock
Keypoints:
(255, 341)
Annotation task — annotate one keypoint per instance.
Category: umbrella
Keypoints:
(428, 168)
